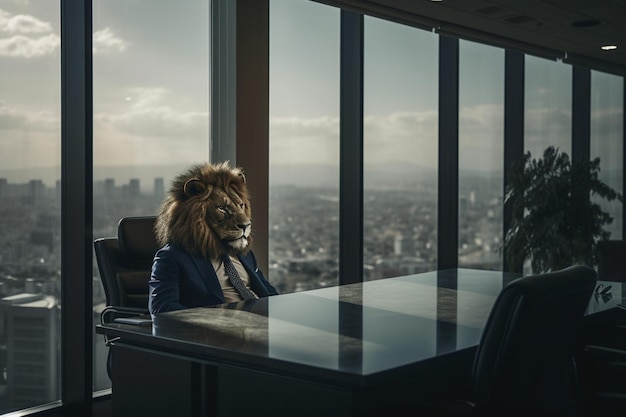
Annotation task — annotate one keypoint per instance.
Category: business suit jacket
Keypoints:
(181, 280)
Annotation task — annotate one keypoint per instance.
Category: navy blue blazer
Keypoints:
(181, 280)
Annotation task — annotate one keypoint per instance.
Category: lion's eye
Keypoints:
(242, 205)
(222, 209)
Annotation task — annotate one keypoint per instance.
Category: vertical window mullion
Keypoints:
(581, 116)
(448, 178)
(513, 127)
(223, 80)
(252, 111)
(623, 190)
(76, 205)
(351, 149)
(240, 100)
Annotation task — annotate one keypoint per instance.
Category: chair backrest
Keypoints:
(611, 260)
(125, 262)
(524, 362)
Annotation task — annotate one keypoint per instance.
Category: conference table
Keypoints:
(348, 350)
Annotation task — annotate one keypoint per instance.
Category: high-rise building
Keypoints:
(3, 187)
(133, 188)
(36, 191)
(32, 348)
(159, 187)
(109, 187)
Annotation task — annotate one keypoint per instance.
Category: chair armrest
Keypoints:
(110, 313)
(604, 350)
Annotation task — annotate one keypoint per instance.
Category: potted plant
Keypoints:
(555, 221)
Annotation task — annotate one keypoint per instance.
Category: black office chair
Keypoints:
(611, 330)
(524, 364)
(125, 264)
(611, 255)
(603, 373)
(525, 360)
(603, 359)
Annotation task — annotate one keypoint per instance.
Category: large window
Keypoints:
(548, 106)
(400, 149)
(607, 135)
(30, 156)
(481, 147)
(303, 244)
(151, 115)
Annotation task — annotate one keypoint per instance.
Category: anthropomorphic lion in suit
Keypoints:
(204, 221)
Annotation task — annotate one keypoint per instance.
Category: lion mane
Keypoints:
(207, 211)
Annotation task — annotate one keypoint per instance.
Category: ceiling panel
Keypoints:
(535, 26)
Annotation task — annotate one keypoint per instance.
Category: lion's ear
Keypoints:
(194, 187)
(242, 177)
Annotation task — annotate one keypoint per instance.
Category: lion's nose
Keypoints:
(244, 226)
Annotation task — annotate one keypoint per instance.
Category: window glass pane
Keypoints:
(30, 198)
(304, 146)
(151, 112)
(400, 149)
(481, 148)
(547, 110)
(548, 106)
(607, 134)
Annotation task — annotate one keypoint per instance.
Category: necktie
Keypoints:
(236, 280)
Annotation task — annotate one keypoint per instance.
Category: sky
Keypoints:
(151, 90)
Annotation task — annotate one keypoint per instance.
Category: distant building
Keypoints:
(109, 187)
(133, 188)
(32, 349)
(159, 188)
(36, 191)
(4, 184)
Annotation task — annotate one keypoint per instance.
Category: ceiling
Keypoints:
(571, 30)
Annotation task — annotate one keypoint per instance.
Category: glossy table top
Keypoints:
(358, 330)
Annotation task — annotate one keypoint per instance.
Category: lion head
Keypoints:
(207, 211)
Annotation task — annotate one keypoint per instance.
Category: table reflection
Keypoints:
(361, 328)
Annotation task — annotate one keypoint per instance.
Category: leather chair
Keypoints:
(603, 371)
(611, 255)
(525, 361)
(125, 265)
(610, 329)
(525, 364)
(603, 359)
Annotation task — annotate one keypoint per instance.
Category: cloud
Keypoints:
(153, 112)
(401, 137)
(18, 120)
(481, 137)
(106, 41)
(28, 36)
(150, 126)
(300, 128)
(607, 121)
(10, 119)
(21, 23)
(31, 139)
(22, 46)
(311, 141)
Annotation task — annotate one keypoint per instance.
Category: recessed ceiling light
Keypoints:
(608, 47)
